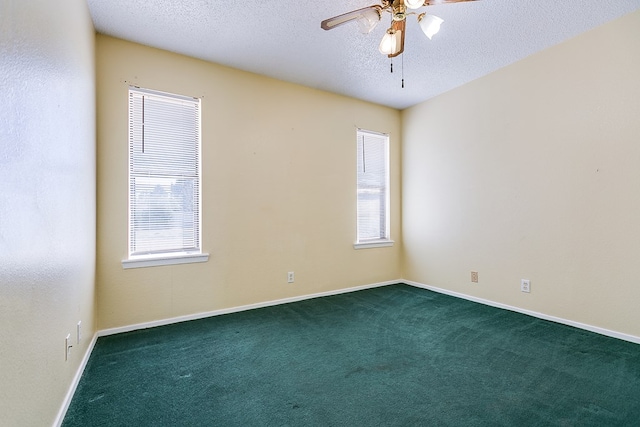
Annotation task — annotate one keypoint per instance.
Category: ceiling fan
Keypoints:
(392, 44)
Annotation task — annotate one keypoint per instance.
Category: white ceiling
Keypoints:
(283, 39)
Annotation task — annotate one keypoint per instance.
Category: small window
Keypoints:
(373, 189)
(164, 176)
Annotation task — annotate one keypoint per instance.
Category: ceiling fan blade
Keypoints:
(331, 23)
(399, 26)
(435, 2)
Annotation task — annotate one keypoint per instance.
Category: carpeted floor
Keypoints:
(390, 356)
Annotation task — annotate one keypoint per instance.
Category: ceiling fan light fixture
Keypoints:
(368, 20)
(414, 4)
(430, 24)
(390, 43)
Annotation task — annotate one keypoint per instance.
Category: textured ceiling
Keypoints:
(283, 39)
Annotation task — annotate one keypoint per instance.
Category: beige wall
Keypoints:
(532, 172)
(278, 189)
(47, 203)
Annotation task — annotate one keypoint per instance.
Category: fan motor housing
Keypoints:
(399, 11)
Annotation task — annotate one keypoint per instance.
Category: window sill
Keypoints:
(374, 244)
(164, 260)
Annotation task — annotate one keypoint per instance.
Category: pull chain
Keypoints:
(402, 71)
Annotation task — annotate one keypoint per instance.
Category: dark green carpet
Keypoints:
(392, 356)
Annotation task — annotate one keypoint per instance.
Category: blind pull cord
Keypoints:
(364, 163)
(143, 124)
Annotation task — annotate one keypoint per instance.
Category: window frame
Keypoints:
(170, 255)
(381, 241)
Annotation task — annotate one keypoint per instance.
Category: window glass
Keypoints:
(372, 184)
(164, 173)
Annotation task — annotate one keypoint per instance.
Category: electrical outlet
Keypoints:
(290, 277)
(474, 276)
(525, 285)
(79, 332)
(67, 347)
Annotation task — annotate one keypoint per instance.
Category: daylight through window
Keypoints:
(373, 187)
(164, 174)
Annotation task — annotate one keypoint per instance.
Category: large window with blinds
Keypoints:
(164, 175)
(372, 189)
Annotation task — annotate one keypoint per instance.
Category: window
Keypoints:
(164, 179)
(373, 190)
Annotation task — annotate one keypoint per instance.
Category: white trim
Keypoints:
(591, 328)
(164, 260)
(74, 383)
(237, 309)
(376, 244)
(163, 94)
(359, 129)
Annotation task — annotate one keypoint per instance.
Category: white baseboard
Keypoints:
(203, 315)
(596, 329)
(74, 384)
(162, 322)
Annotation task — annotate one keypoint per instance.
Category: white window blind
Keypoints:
(164, 173)
(373, 183)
